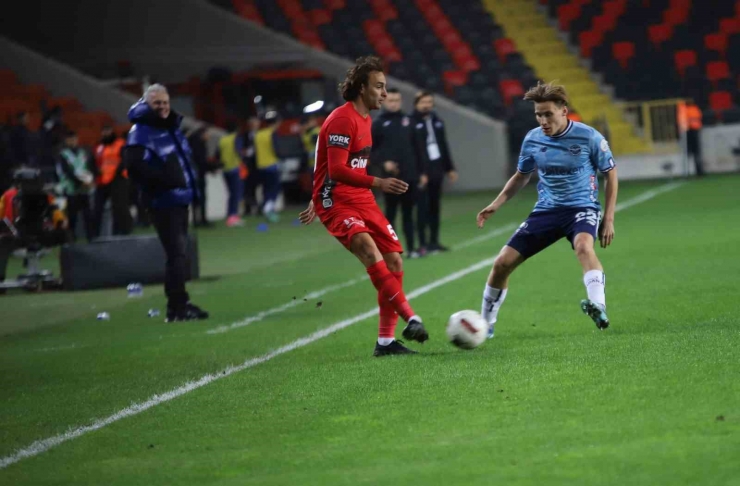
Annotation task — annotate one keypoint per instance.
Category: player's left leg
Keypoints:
(593, 278)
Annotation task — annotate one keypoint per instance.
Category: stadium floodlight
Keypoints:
(315, 106)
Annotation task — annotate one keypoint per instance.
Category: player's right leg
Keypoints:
(540, 230)
(497, 284)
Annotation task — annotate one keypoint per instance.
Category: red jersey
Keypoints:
(342, 154)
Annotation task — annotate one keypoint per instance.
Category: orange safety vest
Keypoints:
(6, 204)
(108, 158)
(689, 117)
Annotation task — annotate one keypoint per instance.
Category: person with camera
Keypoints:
(159, 159)
(28, 217)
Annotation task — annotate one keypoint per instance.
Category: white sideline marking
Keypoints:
(276, 310)
(485, 237)
(43, 445)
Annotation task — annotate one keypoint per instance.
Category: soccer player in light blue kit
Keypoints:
(566, 156)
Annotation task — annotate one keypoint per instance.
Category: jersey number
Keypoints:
(591, 217)
(392, 232)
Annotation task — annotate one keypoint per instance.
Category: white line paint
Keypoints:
(276, 310)
(647, 195)
(43, 445)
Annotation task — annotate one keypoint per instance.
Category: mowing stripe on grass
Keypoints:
(44, 445)
(314, 295)
(276, 310)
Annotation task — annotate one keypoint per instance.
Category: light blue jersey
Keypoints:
(566, 165)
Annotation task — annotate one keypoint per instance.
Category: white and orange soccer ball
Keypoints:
(467, 329)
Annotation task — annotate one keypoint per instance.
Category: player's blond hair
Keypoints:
(544, 92)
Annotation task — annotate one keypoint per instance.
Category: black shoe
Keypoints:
(188, 312)
(415, 331)
(395, 347)
(437, 248)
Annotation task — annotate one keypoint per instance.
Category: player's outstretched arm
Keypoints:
(514, 185)
(606, 230)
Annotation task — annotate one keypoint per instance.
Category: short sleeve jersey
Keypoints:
(347, 130)
(567, 165)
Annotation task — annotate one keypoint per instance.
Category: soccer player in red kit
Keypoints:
(344, 203)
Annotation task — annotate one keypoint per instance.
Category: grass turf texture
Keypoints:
(654, 399)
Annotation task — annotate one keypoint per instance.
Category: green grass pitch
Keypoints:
(655, 399)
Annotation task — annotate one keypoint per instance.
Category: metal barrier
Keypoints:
(657, 123)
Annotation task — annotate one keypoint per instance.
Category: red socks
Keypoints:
(391, 298)
(388, 315)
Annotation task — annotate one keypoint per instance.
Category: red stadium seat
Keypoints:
(319, 17)
(504, 47)
(659, 33)
(510, 89)
(373, 28)
(566, 14)
(623, 52)
(455, 78)
(717, 70)
(614, 8)
(675, 16)
(683, 59)
(588, 40)
(716, 42)
(729, 26)
(335, 4)
(720, 100)
(604, 22)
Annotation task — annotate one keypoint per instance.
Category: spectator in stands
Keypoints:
(75, 183)
(432, 150)
(111, 184)
(229, 153)
(268, 164)
(393, 149)
(249, 156)
(159, 159)
(197, 139)
(21, 141)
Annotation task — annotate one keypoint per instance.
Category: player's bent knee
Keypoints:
(584, 246)
(393, 261)
(363, 247)
(503, 265)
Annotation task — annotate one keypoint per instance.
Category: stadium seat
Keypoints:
(510, 89)
(588, 41)
(720, 101)
(566, 14)
(729, 26)
(716, 42)
(717, 71)
(659, 33)
(684, 59)
(623, 52)
(503, 48)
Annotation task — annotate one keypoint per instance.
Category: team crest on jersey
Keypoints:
(575, 150)
(338, 140)
(405, 121)
(604, 145)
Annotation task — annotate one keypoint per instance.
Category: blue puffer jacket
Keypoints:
(162, 138)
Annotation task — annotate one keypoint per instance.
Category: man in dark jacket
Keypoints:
(158, 157)
(430, 142)
(393, 150)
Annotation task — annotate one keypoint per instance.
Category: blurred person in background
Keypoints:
(6, 159)
(197, 139)
(76, 181)
(111, 184)
(159, 159)
(432, 150)
(393, 148)
(268, 165)
(21, 141)
(310, 135)
(249, 156)
(692, 123)
(229, 149)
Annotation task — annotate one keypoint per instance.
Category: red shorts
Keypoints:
(343, 222)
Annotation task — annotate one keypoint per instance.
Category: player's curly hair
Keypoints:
(357, 76)
(544, 92)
